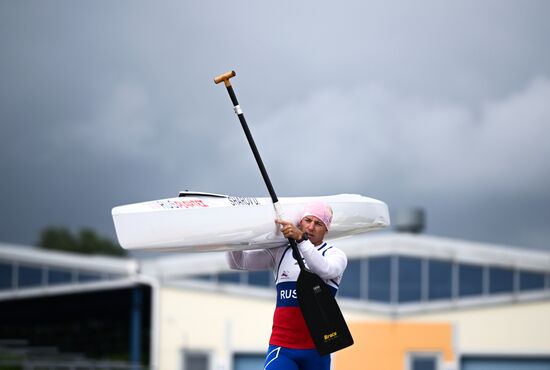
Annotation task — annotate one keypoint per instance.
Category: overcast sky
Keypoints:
(438, 104)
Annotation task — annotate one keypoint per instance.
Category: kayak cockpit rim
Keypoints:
(187, 193)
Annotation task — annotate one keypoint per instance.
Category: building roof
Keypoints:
(371, 245)
(98, 263)
(27, 271)
(176, 269)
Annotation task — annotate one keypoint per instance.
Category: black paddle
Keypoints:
(322, 315)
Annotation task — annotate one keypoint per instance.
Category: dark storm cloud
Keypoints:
(414, 103)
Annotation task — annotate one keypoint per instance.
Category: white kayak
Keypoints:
(201, 222)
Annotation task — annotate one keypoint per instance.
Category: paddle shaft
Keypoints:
(225, 78)
(325, 322)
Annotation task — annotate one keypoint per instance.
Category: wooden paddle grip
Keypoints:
(225, 78)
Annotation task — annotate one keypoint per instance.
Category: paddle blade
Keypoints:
(322, 315)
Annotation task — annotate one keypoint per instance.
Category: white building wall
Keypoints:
(218, 323)
(222, 322)
(508, 329)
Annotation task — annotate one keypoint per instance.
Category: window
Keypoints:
(260, 278)
(86, 277)
(248, 361)
(58, 276)
(470, 280)
(203, 277)
(6, 280)
(196, 361)
(410, 279)
(230, 277)
(423, 361)
(379, 279)
(29, 276)
(505, 363)
(530, 280)
(440, 280)
(501, 280)
(115, 276)
(350, 286)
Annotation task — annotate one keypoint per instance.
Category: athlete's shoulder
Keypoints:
(279, 252)
(331, 251)
(328, 248)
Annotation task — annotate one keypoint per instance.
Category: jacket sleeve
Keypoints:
(329, 266)
(254, 260)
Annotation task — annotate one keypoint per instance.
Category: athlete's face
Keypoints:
(315, 229)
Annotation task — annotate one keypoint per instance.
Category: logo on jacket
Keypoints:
(284, 275)
(288, 294)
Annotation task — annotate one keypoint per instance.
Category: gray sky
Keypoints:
(439, 104)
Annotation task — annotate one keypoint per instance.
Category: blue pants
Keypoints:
(280, 358)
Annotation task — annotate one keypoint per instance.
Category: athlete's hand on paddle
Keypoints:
(290, 230)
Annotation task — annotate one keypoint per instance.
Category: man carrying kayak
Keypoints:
(290, 345)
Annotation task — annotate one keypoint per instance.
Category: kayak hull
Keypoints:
(202, 222)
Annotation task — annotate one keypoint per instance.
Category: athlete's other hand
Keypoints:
(290, 230)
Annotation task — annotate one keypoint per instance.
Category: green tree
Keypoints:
(87, 241)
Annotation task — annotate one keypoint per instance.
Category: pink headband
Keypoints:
(320, 210)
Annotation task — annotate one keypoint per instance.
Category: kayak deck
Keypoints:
(201, 222)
